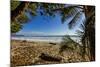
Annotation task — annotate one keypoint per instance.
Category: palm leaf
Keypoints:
(73, 22)
(82, 26)
(67, 13)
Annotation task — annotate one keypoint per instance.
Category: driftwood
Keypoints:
(52, 43)
(24, 41)
(47, 57)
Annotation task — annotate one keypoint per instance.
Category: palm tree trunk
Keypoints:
(90, 32)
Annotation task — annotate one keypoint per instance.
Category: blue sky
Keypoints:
(46, 25)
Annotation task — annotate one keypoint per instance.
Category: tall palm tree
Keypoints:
(88, 32)
(88, 35)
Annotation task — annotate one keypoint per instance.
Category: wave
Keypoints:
(46, 39)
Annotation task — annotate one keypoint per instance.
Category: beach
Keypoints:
(34, 53)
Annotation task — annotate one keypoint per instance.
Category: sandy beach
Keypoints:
(35, 53)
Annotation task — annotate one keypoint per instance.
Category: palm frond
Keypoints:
(80, 33)
(82, 26)
(67, 13)
(73, 22)
(81, 30)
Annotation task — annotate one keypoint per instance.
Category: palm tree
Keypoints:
(87, 32)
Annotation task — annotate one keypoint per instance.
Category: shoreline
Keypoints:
(36, 40)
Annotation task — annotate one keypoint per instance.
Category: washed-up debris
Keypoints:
(47, 57)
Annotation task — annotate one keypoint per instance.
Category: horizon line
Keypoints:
(49, 35)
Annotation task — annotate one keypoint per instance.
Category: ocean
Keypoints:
(41, 38)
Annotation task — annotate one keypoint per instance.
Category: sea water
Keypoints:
(41, 38)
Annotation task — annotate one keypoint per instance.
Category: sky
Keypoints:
(46, 25)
